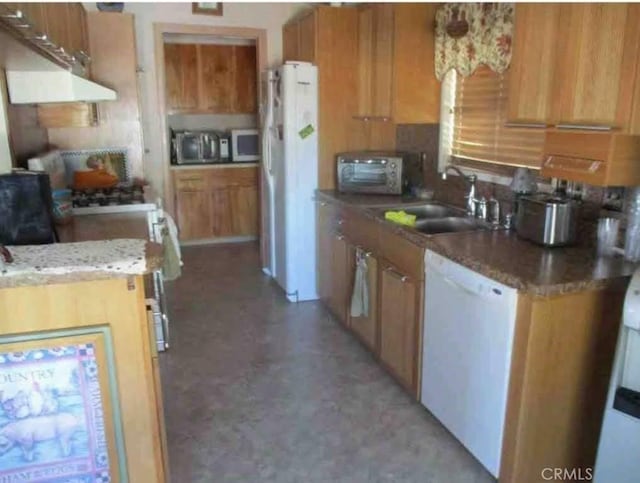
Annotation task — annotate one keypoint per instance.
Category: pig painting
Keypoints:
(52, 421)
(26, 433)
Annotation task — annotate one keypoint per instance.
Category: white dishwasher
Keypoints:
(469, 323)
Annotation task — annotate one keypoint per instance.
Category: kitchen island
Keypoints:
(79, 379)
(569, 304)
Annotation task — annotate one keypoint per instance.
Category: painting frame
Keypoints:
(88, 348)
(202, 8)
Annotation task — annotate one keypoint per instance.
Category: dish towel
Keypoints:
(172, 263)
(360, 296)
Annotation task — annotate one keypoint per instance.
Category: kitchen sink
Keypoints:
(450, 224)
(428, 210)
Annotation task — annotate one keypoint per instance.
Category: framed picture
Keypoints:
(59, 410)
(207, 8)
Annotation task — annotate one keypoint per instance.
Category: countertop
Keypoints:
(239, 164)
(92, 247)
(502, 255)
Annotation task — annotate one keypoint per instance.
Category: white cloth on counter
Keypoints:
(118, 256)
(360, 296)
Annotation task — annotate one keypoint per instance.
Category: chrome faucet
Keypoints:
(469, 178)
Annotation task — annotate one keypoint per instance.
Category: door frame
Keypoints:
(243, 33)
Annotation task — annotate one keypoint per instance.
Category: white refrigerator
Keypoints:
(290, 178)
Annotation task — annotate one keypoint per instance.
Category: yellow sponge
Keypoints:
(401, 217)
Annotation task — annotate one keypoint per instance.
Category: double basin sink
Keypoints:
(433, 218)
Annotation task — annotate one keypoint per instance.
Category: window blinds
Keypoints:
(479, 118)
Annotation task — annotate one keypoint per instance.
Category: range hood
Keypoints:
(40, 87)
(34, 79)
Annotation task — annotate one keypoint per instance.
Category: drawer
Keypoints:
(360, 230)
(232, 177)
(400, 252)
(190, 181)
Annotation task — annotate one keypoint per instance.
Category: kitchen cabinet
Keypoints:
(399, 321)
(532, 69)
(569, 69)
(395, 276)
(416, 91)
(299, 38)
(216, 202)
(375, 60)
(110, 314)
(67, 114)
(215, 79)
(64, 24)
(595, 69)
(334, 271)
(181, 76)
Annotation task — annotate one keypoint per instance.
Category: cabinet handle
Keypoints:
(323, 203)
(340, 237)
(190, 179)
(16, 14)
(394, 274)
(340, 222)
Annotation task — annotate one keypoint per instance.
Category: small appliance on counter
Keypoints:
(199, 147)
(373, 172)
(245, 145)
(26, 209)
(547, 219)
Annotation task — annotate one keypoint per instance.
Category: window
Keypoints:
(474, 131)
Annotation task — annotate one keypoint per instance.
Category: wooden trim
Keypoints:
(198, 10)
(260, 37)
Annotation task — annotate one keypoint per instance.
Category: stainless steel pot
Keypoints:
(547, 219)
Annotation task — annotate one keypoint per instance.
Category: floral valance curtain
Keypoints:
(471, 34)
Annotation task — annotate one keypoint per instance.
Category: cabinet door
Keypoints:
(399, 298)
(181, 76)
(192, 208)
(596, 63)
(416, 91)
(375, 60)
(307, 38)
(531, 73)
(340, 275)
(78, 28)
(35, 15)
(221, 220)
(290, 41)
(216, 78)
(244, 210)
(325, 215)
(245, 93)
(57, 23)
(366, 327)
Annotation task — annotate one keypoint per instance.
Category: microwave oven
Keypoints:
(245, 145)
(371, 172)
(199, 147)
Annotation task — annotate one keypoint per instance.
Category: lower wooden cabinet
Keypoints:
(399, 323)
(217, 202)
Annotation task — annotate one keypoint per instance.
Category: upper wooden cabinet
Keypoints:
(597, 55)
(396, 77)
(203, 78)
(575, 64)
(375, 60)
(532, 67)
(180, 67)
(416, 91)
(64, 24)
(299, 38)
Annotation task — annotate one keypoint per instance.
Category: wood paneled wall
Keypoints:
(113, 48)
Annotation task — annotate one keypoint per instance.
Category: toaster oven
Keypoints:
(371, 172)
